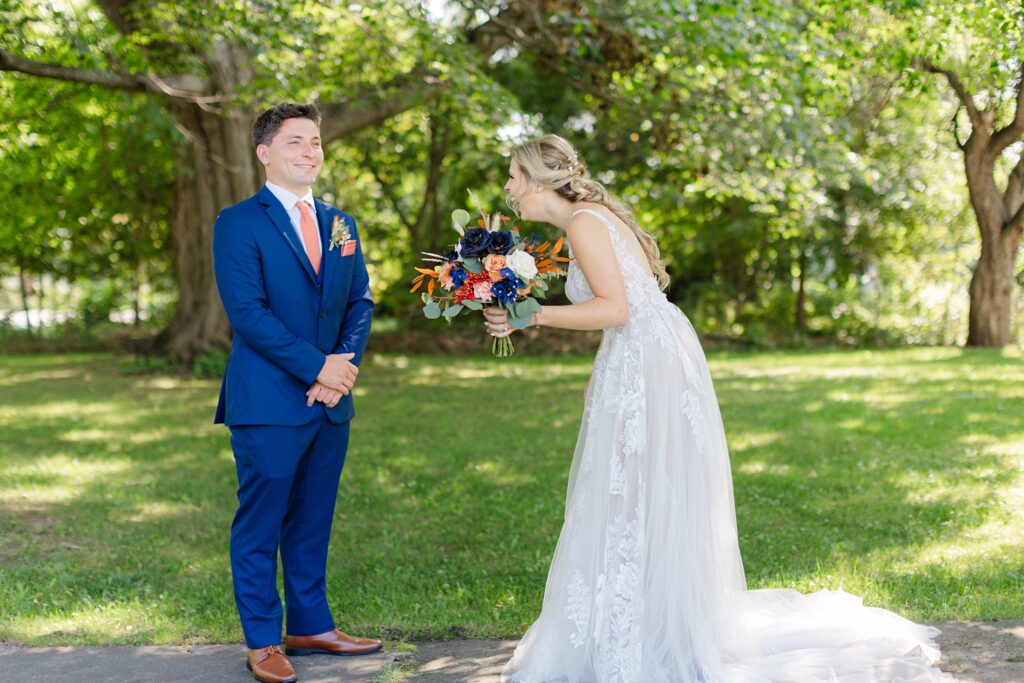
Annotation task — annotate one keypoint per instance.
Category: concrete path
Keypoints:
(975, 652)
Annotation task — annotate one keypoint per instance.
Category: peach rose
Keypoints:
(494, 262)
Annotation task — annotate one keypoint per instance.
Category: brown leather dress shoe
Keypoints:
(331, 643)
(268, 664)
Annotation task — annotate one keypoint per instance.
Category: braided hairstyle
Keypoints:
(552, 162)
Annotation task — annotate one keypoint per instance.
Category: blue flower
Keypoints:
(512, 279)
(475, 243)
(459, 276)
(501, 242)
(504, 291)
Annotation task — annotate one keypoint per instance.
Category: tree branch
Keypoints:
(373, 105)
(961, 92)
(127, 17)
(107, 79)
(181, 86)
(1013, 197)
(1017, 222)
(117, 12)
(956, 128)
(1012, 132)
(498, 31)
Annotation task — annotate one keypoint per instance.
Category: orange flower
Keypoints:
(445, 276)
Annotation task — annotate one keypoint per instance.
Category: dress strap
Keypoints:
(595, 213)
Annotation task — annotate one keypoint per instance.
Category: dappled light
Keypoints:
(115, 506)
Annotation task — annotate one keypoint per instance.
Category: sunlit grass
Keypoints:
(897, 475)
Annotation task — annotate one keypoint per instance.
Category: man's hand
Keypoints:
(338, 373)
(326, 395)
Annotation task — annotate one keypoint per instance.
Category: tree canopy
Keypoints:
(802, 164)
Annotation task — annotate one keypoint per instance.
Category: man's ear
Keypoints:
(262, 154)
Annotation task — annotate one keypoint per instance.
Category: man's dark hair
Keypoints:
(267, 124)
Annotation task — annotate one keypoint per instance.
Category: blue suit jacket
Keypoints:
(285, 318)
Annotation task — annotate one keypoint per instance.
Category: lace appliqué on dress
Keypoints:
(578, 609)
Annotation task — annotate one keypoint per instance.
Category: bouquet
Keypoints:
(491, 264)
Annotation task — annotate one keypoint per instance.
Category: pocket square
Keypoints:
(348, 248)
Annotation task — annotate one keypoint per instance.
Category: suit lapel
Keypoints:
(280, 219)
(330, 260)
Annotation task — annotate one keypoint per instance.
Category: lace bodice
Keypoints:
(641, 287)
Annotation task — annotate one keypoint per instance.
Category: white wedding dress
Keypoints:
(646, 584)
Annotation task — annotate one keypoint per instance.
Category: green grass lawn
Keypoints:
(897, 475)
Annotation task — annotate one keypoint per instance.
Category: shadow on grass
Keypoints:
(120, 491)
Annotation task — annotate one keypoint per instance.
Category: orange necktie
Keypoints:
(308, 226)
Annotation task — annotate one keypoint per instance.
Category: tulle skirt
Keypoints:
(646, 584)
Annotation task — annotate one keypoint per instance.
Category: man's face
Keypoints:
(293, 157)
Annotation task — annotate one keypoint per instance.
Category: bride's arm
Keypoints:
(592, 247)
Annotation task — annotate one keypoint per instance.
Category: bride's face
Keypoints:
(520, 189)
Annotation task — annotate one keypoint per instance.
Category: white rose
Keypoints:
(522, 264)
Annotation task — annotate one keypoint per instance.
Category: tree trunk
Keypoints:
(23, 280)
(219, 169)
(41, 300)
(136, 293)
(991, 293)
(801, 293)
(992, 282)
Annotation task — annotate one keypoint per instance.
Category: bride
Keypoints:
(646, 584)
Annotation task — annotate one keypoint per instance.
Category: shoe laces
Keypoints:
(265, 652)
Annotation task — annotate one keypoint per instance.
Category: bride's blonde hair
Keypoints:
(552, 162)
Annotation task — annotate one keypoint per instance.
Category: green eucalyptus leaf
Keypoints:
(520, 323)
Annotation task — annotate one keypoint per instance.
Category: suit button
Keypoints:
(323, 314)
(319, 287)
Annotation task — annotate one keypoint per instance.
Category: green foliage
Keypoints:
(210, 364)
(765, 142)
(148, 365)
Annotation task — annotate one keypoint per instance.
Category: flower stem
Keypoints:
(502, 347)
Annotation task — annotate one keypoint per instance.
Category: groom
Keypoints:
(291, 275)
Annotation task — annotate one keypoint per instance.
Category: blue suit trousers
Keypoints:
(287, 486)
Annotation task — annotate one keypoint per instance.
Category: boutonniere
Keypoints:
(340, 234)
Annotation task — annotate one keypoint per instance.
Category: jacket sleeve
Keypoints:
(236, 265)
(355, 328)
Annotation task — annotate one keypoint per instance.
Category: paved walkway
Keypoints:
(975, 652)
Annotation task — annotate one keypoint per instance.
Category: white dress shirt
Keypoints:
(289, 200)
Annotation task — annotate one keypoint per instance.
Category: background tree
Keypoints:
(976, 48)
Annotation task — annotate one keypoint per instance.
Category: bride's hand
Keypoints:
(497, 321)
